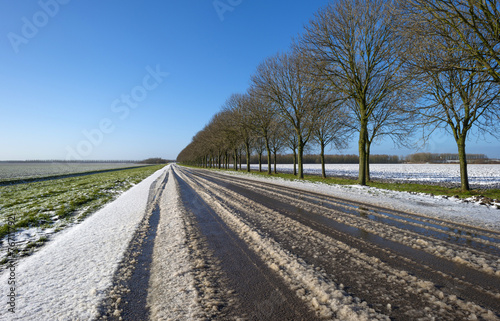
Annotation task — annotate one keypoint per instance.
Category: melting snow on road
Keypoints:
(173, 295)
(421, 204)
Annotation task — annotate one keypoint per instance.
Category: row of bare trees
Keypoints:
(378, 68)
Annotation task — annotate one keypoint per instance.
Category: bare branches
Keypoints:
(376, 67)
(471, 26)
(285, 82)
(456, 67)
(352, 45)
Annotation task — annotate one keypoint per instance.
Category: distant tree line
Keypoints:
(444, 158)
(368, 69)
(416, 158)
(329, 159)
(156, 160)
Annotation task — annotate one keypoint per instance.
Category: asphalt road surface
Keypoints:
(261, 251)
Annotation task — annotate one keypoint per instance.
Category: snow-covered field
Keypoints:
(27, 170)
(479, 175)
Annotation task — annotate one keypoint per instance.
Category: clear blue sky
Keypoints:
(136, 79)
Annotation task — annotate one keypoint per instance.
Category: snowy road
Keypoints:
(219, 247)
(341, 258)
(259, 251)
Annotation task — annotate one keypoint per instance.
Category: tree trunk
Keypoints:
(462, 156)
(241, 159)
(247, 147)
(367, 166)
(260, 162)
(294, 162)
(275, 172)
(362, 152)
(268, 149)
(300, 155)
(235, 159)
(323, 171)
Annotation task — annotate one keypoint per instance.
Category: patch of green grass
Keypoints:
(65, 200)
(31, 246)
(437, 190)
(401, 187)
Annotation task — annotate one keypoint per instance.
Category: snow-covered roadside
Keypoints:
(68, 278)
(480, 175)
(172, 293)
(450, 209)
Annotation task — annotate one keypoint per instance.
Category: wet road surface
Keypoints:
(261, 251)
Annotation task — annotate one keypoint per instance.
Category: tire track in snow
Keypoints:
(127, 298)
(451, 231)
(427, 289)
(319, 292)
(172, 294)
(249, 290)
(484, 259)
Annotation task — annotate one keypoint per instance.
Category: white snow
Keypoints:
(68, 278)
(173, 295)
(450, 209)
(480, 175)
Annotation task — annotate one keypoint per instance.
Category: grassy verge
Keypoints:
(59, 202)
(402, 187)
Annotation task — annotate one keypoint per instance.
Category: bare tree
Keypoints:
(352, 46)
(330, 128)
(211, 143)
(462, 102)
(283, 79)
(456, 69)
(472, 27)
(276, 141)
(290, 141)
(262, 118)
(394, 118)
(224, 126)
(259, 147)
(238, 106)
